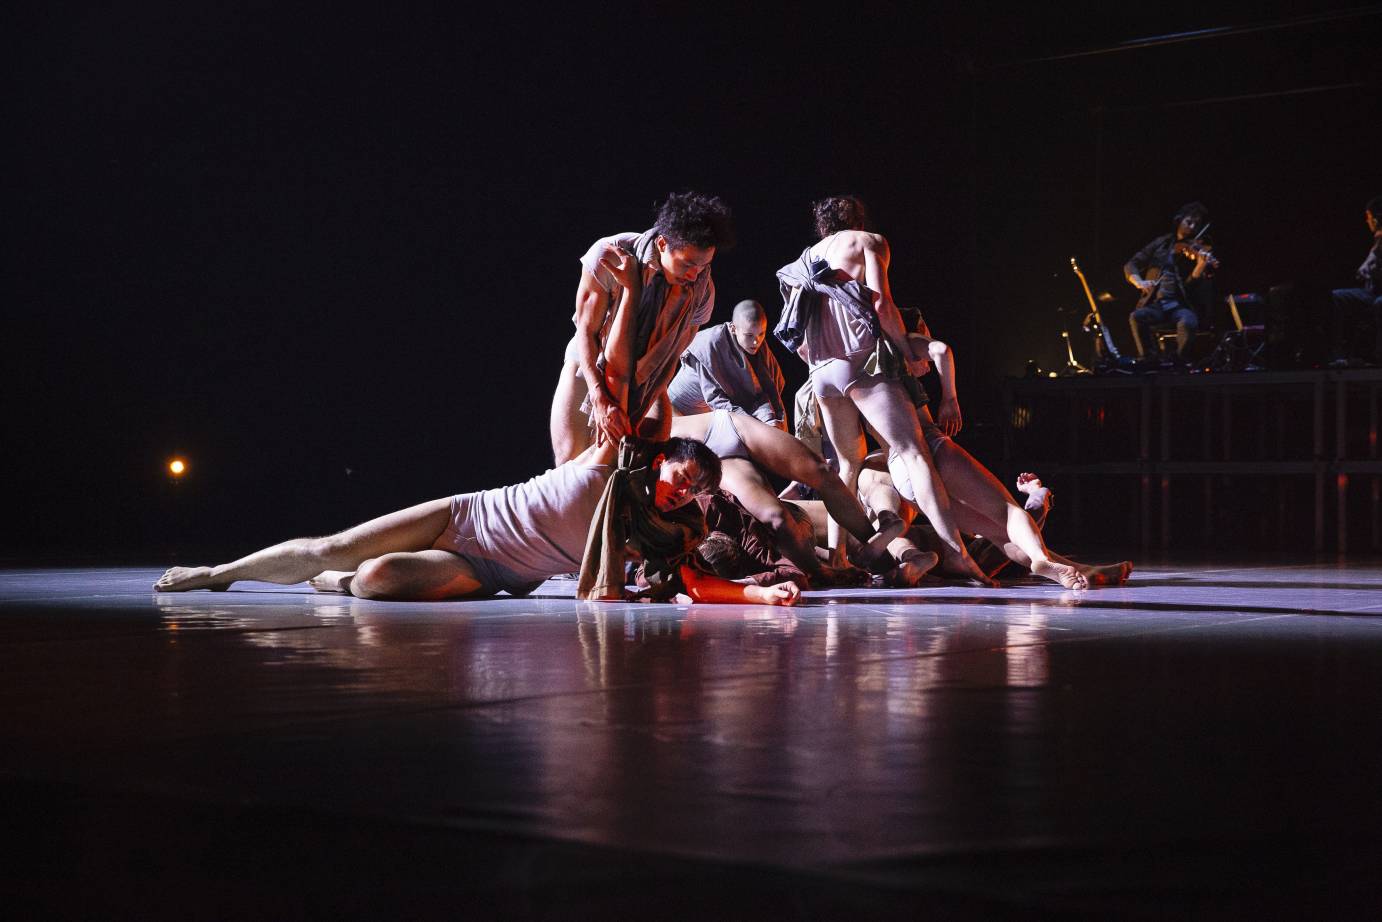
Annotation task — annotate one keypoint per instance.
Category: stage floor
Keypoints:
(1205, 742)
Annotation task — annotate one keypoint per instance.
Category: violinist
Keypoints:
(1172, 273)
(1357, 319)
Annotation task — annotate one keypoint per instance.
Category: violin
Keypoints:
(1198, 250)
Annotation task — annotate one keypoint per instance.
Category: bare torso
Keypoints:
(851, 252)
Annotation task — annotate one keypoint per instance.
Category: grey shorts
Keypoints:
(459, 538)
(723, 439)
(834, 378)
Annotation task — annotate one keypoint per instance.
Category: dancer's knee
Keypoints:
(378, 578)
(812, 472)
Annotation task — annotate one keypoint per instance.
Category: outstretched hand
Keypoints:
(948, 416)
(787, 593)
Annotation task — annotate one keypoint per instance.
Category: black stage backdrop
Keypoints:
(330, 257)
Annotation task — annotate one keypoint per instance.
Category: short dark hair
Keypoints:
(707, 462)
(722, 554)
(1375, 207)
(695, 219)
(1197, 209)
(840, 212)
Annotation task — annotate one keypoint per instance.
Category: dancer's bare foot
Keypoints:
(890, 525)
(1028, 483)
(962, 566)
(1067, 576)
(1110, 574)
(914, 567)
(332, 581)
(185, 579)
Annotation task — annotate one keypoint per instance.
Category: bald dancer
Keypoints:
(730, 367)
(839, 315)
(640, 300)
(508, 539)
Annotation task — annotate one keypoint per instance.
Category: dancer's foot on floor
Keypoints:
(962, 567)
(914, 567)
(1067, 576)
(185, 579)
(332, 581)
(874, 555)
(1111, 574)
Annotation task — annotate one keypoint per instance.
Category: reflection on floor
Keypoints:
(1203, 743)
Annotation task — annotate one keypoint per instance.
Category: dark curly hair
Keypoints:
(1192, 209)
(695, 219)
(840, 212)
(706, 461)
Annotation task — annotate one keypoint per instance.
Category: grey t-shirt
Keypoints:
(537, 528)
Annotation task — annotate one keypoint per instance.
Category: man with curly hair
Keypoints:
(641, 299)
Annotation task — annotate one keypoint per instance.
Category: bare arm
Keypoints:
(877, 256)
(703, 587)
(608, 411)
(948, 413)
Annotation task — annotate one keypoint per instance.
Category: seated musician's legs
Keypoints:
(1187, 325)
(1141, 321)
(1355, 309)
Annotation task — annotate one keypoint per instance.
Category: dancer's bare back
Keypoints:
(861, 255)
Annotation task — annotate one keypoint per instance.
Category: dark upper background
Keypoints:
(331, 258)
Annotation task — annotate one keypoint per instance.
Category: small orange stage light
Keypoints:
(177, 467)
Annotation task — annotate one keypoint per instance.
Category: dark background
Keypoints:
(330, 257)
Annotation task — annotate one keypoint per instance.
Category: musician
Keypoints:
(1358, 309)
(1173, 274)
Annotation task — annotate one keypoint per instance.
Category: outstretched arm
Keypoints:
(703, 587)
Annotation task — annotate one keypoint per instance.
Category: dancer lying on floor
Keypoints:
(982, 506)
(743, 445)
(594, 512)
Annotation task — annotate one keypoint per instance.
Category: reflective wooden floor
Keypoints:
(1204, 743)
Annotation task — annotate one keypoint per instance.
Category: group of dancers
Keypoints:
(664, 435)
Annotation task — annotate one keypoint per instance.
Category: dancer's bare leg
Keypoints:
(414, 530)
(570, 427)
(741, 479)
(887, 408)
(877, 490)
(974, 486)
(998, 518)
(786, 456)
(842, 425)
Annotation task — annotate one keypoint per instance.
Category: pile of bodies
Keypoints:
(665, 436)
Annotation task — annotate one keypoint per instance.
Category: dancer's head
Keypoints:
(838, 213)
(691, 228)
(749, 326)
(722, 553)
(1190, 218)
(685, 468)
